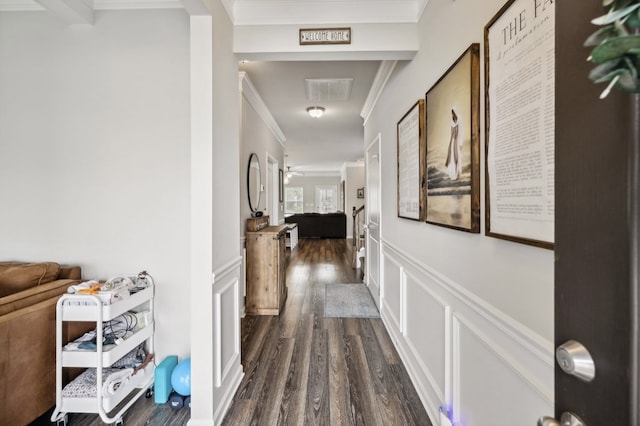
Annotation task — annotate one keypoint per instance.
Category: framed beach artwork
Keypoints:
(453, 145)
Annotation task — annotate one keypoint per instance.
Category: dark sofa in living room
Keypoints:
(319, 225)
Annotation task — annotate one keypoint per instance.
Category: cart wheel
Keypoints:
(119, 422)
(149, 393)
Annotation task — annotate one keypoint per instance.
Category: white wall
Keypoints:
(94, 151)
(257, 138)
(308, 184)
(354, 179)
(216, 261)
(471, 315)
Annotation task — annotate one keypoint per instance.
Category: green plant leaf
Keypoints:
(608, 77)
(603, 70)
(615, 48)
(627, 82)
(619, 4)
(599, 36)
(631, 67)
(614, 15)
(634, 20)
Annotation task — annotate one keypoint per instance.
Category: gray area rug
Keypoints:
(349, 301)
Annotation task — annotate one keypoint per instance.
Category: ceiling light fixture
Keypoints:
(315, 111)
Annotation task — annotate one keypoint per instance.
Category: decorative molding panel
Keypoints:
(427, 343)
(393, 291)
(483, 367)
(525, 336)
(227, 367)
(487, 358)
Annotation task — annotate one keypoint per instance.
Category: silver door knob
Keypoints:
(567, 419)
(548, 421)
(574, 359)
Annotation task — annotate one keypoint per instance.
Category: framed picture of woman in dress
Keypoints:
(453, 145)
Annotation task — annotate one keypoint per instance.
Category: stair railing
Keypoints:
(358, 233)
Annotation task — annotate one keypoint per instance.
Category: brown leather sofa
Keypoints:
(28, 296)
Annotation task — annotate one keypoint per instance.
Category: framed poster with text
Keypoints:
(519, 57)
(411, 158)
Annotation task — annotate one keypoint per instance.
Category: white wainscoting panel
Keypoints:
(373, 260)
(511, 395)
(462, 353)
(427, 316)
(227, 372)
(392, 276)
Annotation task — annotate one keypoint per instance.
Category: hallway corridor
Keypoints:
(304, 369)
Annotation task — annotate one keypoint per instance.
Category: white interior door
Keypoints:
(372, 201)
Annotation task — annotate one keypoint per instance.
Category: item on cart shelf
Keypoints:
(115, 380)
(86, 287)
(141, 281)
(116, 283)
(133, 359)
(78, 344)
(113, 333)
(145, 318)
(147, 360)
(84, 386)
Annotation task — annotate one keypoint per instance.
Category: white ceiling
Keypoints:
(324, 144)
(312, 145)
(315, 144)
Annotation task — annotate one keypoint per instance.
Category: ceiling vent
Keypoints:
(328, 89)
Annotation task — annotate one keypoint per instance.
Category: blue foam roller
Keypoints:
(162, 379)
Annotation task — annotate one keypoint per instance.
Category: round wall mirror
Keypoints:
(253, 182)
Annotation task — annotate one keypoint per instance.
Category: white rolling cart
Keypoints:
(93, 397)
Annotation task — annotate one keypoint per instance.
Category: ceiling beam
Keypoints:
(72, 12)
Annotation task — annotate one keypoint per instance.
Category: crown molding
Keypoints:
(136, 4)
(272, 12)
(380, 81)
(252, 96)
(326, 12)
(31, 5)
(20, 6)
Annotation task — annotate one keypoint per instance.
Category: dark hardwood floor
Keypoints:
(304, 369)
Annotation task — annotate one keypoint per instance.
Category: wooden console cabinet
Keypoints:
(266, 285)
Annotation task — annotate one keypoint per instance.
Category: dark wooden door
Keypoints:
(595, 258)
